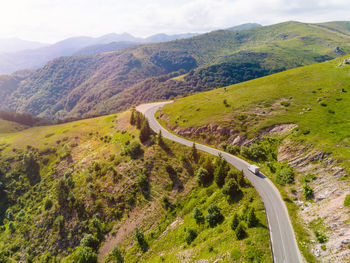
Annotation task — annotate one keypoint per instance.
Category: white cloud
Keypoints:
(52, 20)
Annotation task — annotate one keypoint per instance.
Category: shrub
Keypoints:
(203, 177)
(235, 221)
(231, 188)
(307, 191)
(89, 240)
(84, 255)
(115, 256)
(255, 152)
(240, 231)
(285, 103)
(31, 167)
(285, 175)
(48, 204)
(191, 235)
(142, 181)
(253, 254)
(198, 215)
(252, 220)
(133, 150)
(214, 216)
(145, 131)
(11, 227)
(58, 224)
(141, 241)
(320, 237)
(221, 171)
(347, 200)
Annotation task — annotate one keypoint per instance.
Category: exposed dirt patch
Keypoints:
(328, 201)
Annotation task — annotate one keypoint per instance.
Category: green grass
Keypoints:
(324, 126)
(9, 127)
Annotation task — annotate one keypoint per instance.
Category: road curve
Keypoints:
(283, 242)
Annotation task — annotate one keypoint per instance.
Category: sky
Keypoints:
(52, 20)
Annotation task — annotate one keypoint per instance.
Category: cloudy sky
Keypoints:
(54, 20)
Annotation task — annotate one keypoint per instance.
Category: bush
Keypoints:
(235, 221)
(253, 254)
(320, 237)
(198, 216)
(11, 227)
(84, 255)
(307, 191)
(285, 175)
(255, 152)
(141, 241)
(240, 231)
(48, 204)
(89, 241)
(142, 181)
(285, 103)
(347, 200)
(214, 216)
(252, 220)
(221, 171)
(145, 131)
(203, 177)
(231, 188)
(133, 150)
(191, 235)
(115, 256)
(58, 224)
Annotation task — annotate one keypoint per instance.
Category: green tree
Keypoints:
(141, 241)
(252, 220)
(198, 216)
(84, 255)
(115, 256)
(220, 172)
(31, 167)
(160, 140)
(208, 165)
(191, 236)
(145, 131)
(307, 191)
(89, 240)
(235, 221)
(194, 152)
(231, 188)
(203, 177)
(214, 216)
(132, 117)
(240, 231)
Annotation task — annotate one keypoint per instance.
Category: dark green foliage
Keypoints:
(133, 150)
(231, 189)
(48, 204)
(145, 131)
(208, 165)
(58, 224)
(160, 140)
(221, 171)
(240, 231)
(235, 221)
(194, 153)
(285, 103)
(11, 227)
(132, 117)
(253, 254)
(23, 118)
(320, 237)
(285, 175)
(89, 240)
(31, 167)
(115, 256)
(142, 181)
(214, 216)
(203, 177)
(141, 241)
(252, 220)
(307, 191)
(190, 236)
(254, 152)
(84, 255)
(347, 200)
(198, 216)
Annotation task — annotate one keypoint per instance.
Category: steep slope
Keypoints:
(294, 124)
(98, 84)
(73, 190)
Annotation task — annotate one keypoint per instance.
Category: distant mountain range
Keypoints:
(32, 55)
(81, 86)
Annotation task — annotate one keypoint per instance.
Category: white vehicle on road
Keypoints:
(254, 169)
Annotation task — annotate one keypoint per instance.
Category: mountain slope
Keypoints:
(72, 191)
(296, 121)
(98, 84)
(8, 45)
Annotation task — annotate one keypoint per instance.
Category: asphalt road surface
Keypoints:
(283, 242)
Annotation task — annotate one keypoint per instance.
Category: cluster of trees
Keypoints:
(23, 118)
(141, 122)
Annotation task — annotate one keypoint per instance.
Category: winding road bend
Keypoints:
(283, 242)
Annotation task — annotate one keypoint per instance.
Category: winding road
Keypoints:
(283, 242)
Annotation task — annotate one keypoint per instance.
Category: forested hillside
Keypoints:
(103, 83)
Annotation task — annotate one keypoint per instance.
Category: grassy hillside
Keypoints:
(9, 126)
(99, 84)
(73, 191)
(313, 97)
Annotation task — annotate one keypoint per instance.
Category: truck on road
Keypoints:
(254, 169)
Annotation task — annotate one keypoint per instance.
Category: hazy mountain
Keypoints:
(113, 46)
(244, 26)
(165, 37)
(107, 82)
(9, 45)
